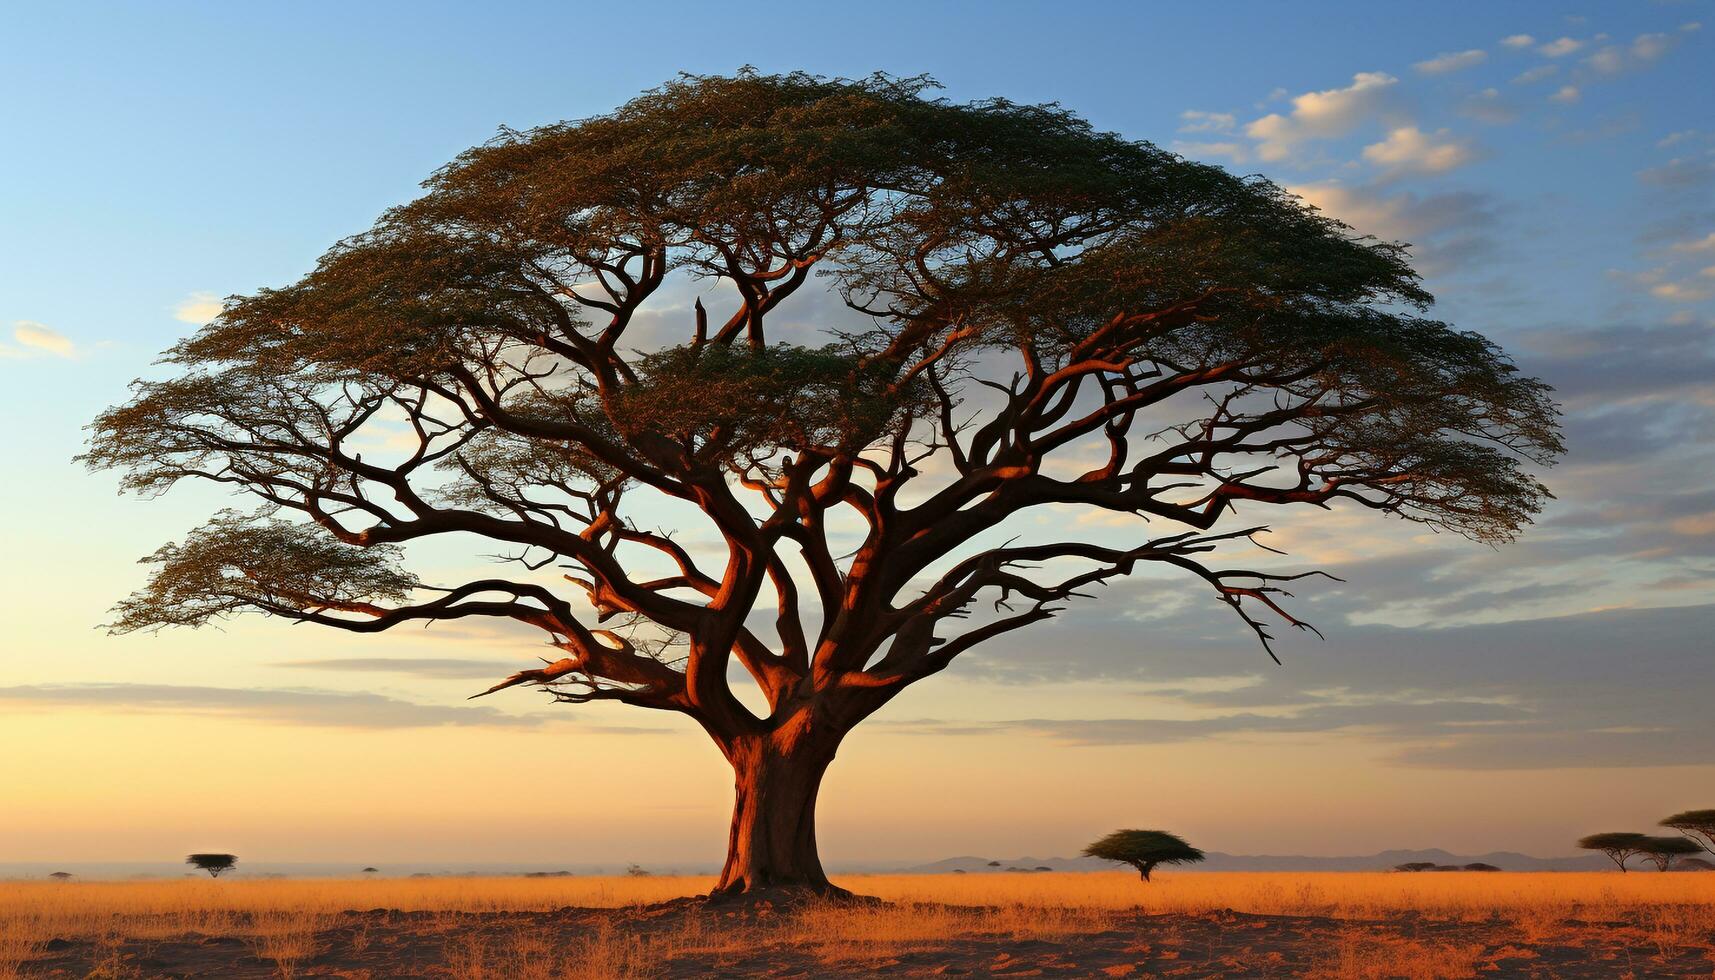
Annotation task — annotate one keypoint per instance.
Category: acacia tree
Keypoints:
(1057, 321)
(1618, 845)
(1661, 851)
(1698, 826)
(214, 864)
(1144, 850)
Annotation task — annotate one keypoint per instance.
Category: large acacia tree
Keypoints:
(1051, 320)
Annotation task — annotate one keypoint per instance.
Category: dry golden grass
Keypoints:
(1357, 955)
(19, 940)
(287, 922)
(213, 906)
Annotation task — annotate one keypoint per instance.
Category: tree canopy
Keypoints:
(1661, 851)
(1144, 850)
(1697, 825)
(1618, 845)
(214, 864)
(1039, 318)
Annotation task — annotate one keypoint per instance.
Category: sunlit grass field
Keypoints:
(280, 919)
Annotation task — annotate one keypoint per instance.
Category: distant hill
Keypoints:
(1217, 861)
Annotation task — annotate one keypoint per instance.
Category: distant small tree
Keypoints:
(1144, 849)
(214, 864)
(1697, 825)
(1415, 866)
(636, 871)
(370, 871)
(61, 876)
(1618, 846)
(1662, 850)
(1480, 866)
(994, 864)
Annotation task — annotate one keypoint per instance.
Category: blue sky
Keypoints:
(1553, 165)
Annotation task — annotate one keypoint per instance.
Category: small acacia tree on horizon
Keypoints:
(1144, 850)
(214, 864)
(1697, 826)
(1618, 845)
(1054, 321)
(1661, 851)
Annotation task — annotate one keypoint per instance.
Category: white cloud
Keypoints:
(1237, 152)
(1644, 49)
(1682, 292)
(1648, 47)
(1536, 74)
(1409, 150)
(197, 308)
(1319, 115)
(1660, 284)
(1568, 94)
(1452, 61)
(1488, 106)
(1561, 47)
(1608, 61)
(39, 338)
(1198, 121)
(1704, 244)
(1518, 41)
(1446, 230)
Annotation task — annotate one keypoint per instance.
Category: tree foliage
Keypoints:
(1696, 825)
(1059, 321)
(214, 864)
(1661, 851)
(1618, 845)
(1144, 850)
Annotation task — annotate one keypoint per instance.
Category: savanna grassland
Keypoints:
(1433, 925)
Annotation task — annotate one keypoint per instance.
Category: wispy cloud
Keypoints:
(1320, 115)
(1561, 47)
(1447, 230)
(1409, 150)
(197, 308)
(1488, 106)
(1508, 695)
(1198, 121)
(1643, 50)
(36, 339)
(1517, 41)
(438, 668)
(288, 706)
(1453, 61)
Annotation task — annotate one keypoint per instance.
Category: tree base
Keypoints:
(786, 897)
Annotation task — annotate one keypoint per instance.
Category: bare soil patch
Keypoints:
(688, 939)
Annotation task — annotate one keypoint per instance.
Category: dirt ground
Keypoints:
(689, 939)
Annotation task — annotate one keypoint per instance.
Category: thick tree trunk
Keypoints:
(772, 845)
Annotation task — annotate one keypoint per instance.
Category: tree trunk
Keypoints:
(773, 840)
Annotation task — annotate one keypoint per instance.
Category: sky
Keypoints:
(1553, 167)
